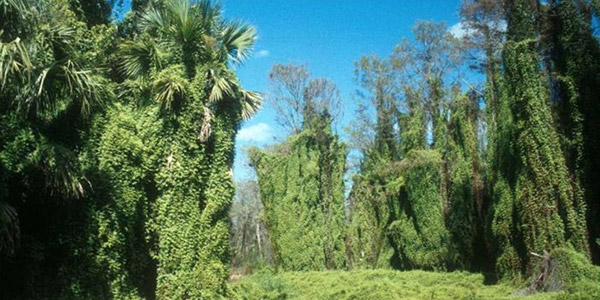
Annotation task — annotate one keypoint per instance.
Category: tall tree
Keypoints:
(387, 207)
(485, 25)
(295, 96)
(49, 92)
(379, 78)
(575, 57)
(549, 211)
(465, 184)
(371, 208)
(302, 191)
(436, 53)
(185, 69)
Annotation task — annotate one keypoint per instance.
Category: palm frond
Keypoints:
(15, 7)
(5, 5)
(10, 231)
(169, 88)
(138, 57)
(210, 14)
(59, 81)
(82, 86)
(250, 103)
(154, 20)
(35, 97)
(179, 13)
(221, 87)
(14, 61)
(61, 37)
(60, 167)
(237, 40)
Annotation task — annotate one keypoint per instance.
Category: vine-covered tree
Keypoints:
(411, 101)
(476, 149)
(294, 94)
(302, 180)
(547, 211)
(137, 190)
(50, 89)
(575, 57)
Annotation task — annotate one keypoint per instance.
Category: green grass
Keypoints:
(388, 284)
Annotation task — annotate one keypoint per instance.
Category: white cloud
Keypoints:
(459, 30)
(262, 53)
(258, 133)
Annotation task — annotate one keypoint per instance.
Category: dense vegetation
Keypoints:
(454, 175)
(302, 191)
(116, 149)
(302, 183)
(416, 284)
(475, 153)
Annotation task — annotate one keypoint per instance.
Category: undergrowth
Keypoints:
(388, 284)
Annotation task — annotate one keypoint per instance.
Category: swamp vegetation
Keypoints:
(468, 171)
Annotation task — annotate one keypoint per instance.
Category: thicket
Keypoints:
(501, 168)
(117, 146)
(547, 208)
(415, 198)
(449, 178)
(302, 191)
(575, 64)
(416, 284)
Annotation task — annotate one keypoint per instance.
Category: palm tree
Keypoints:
(41, 63)
(191, 34)
(40, 80)
(41, 83)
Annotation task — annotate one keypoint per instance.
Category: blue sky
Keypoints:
(326, 35)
